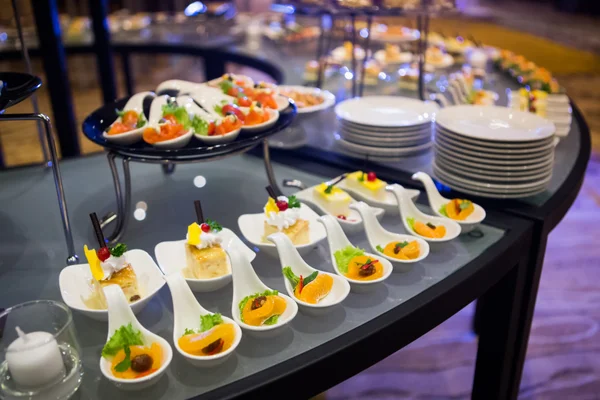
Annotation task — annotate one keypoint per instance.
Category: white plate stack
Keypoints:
(386, 128)
(493, 152)
(558, 110)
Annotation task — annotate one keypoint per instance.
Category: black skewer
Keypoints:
(97, 230)
(271, 192)
(199, 214)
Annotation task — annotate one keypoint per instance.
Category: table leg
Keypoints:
(168, 168)
(123, 200)
(269, 168)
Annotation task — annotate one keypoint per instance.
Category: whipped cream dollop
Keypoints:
(208, 239)
(112, 265)
(283, 219)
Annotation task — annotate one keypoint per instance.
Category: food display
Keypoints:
(127, 121)
(458, 45)
(175, 121)
(367, 184)
(344, 52)
(109, 266)
(354, 264)
(213, 337)
(534, 101)
(303, 99)
(246, 91)
(282, 214)
(310, 289)
(204, 255)
(408, 78)
(457, 209)
(428, 229)
(130, 357)
(437, 58)
(333, 199)
(527, 72)
(262, 308)
(402, 250)
(372, 71)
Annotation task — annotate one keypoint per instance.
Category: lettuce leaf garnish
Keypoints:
(343, 257)
(180, 114)
(199, 125)
(379, 248)
(411, 223)
(442, 210)
(123, 337)
(272, 320)
(209, 321)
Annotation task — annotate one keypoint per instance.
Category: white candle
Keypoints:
(34, 359)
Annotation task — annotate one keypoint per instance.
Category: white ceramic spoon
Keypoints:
(135, 103)
(273, 117)
(378, 236)
(408, 209)
(153, 121)
(186, 315)
(247, 283)
(337, 241)
(182, 87)
(120, 314)
(436, 201)
(387, 203)
(289, 257)
(352, 224)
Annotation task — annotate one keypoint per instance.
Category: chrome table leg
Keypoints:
(123, 201)
(269, 168)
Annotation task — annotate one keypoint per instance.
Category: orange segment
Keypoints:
(195, 343)
(274, 305)
(434, 233)
(315, 290)
(154, 351)
(454, 211)
(357, 262)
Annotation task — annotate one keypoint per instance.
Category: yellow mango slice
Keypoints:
(94, 262)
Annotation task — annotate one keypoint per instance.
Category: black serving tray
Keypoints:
(95, 124)
(16, 88)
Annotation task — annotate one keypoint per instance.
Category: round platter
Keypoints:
(95, 124)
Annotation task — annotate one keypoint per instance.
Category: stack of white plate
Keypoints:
(384, 127)
(558, 110)
(493, 151)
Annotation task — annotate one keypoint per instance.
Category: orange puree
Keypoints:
(410, 251)
(357, 271)
(154, 351)
(167, 132)
(272, 305)
(315, 290)
(214, 341)
(436, 232)
(459, 209)
(256, 116)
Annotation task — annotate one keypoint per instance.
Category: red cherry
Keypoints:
(282, 205)
(103, 253)
(341, 216)
(205, 228)
(371, 177)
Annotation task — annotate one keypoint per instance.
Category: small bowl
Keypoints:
(252, 227)
(436, 201)
(186, 315)
(377, 235)
(171, 258)
(408, 209)
(289, 257)
(337, 241)
(74, 284)
(120, 314)
(246, 283)
(353, 224)
(273, 117)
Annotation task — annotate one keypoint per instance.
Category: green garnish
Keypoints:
(272, 320)
(401, 245)
(464, 205)
(218, 109)
(252, 296)
(214, 225)
(188, 332)
(379, 248)
(141, 121)
(126, 363)
(442, 210)
(310, 278)
(343, 257)
(119, 113)
(208, 321)
(118, 250)
(199, 125)
(225, 85)
(328, 189)
(362, 177)
(293, 202)
(123, 337)
(289, 274)
(411, 223)
(430, 225)
(180, 114)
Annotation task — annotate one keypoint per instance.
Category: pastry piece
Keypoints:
(367, 183)
(205, 258)
(283, 215)
(333, 199)
(298, 233)
(127, 280)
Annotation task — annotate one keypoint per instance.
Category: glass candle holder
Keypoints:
(39, 352)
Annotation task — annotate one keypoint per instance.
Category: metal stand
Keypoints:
(60, 192)
(123, 194)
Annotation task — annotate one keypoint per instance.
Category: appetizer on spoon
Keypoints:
(427, 227)
(133, 358)
(170, 125)
(401, 250)
(131, 121)
(205, 339)
(362, 270)
(468, 214)
(316, 292)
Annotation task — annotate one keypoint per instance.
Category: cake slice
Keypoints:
(368, 184)
(333, 199)
(127, 280)
(207, 263)
(298, 233)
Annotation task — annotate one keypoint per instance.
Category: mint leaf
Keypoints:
(343, 257)
(379, 248)
(214, 225)
(442, 211)
(118, 250)
(293, 202)
(289, 274)
(126, 363)
(123, 337)
(310, 278)
(272, 320)
(252, 296)
(209, 321)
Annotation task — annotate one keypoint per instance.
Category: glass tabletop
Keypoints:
(32, 255)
